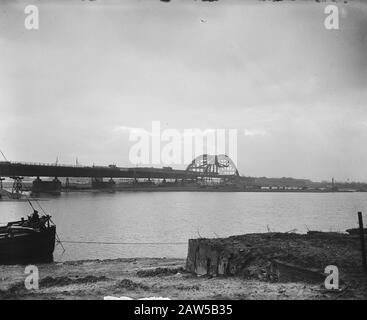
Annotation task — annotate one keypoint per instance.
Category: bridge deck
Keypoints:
(13, 169)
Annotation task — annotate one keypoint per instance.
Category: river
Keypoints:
(158, 224)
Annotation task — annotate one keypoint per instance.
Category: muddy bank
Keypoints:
(258, 254)
(255, 266)
(143, 278)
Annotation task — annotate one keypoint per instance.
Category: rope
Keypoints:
(104, 242)
(4, 156)
(40, 207)
(125, 243)
(57, 236)
(114, 243)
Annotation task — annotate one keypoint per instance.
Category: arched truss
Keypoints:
(213, 165)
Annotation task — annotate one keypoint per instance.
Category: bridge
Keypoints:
(202, 167)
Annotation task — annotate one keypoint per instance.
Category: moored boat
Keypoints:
(28, 240)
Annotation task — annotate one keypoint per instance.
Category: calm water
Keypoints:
(151, 217)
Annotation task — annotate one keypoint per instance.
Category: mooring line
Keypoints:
(58, 240)
(124, 243)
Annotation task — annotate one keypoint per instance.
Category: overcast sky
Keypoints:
(296, 91)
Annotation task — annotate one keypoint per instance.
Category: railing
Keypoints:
(137, 169)
(54, 165)
(81, 166)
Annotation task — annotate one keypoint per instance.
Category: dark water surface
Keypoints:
(154, 218)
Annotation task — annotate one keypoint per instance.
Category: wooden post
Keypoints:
(363, 249)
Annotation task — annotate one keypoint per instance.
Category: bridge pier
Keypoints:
(51, 187)
(98, 183)
(67, 184)
(1, 187)
(17, 188)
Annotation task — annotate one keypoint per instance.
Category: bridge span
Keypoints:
(17, 169)
(202, 167)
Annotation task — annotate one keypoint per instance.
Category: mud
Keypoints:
(260, 266)
(263, 256)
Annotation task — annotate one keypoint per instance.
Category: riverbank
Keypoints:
(144, 278)
(251, 274)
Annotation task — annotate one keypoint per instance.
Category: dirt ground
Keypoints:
(145, 278)
(298, 259)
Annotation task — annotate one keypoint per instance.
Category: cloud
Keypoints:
(277, 76)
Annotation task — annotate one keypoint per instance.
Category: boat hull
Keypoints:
(29, 247)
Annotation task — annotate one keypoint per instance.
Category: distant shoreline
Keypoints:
(202, 189)
(5, 198)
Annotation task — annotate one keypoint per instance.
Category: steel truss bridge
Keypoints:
(204, 166)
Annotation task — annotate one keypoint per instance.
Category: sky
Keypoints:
(93, 71)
